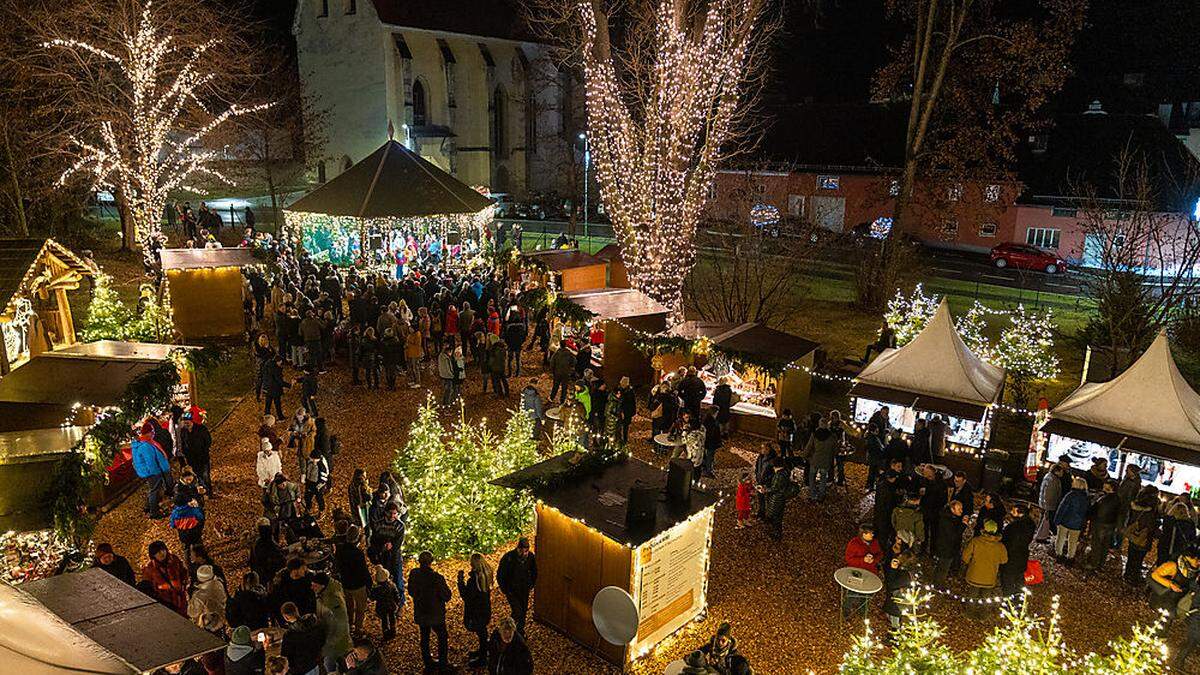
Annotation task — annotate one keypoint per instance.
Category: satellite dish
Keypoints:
(615, 615)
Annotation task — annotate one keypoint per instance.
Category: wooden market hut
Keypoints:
(1148, 415)
(35, 312)
(28, 460)
(934, 374)
(392, 187)
(624, 314)
(206, 289)
(589, 538)
(618, 274)
(570, 270)
(92, 622)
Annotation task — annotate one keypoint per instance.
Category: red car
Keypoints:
(1027, 257)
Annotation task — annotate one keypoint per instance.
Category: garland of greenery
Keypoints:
(664, 344)
(667, 344)
(581, 465)
(559, 305)
(85, 467)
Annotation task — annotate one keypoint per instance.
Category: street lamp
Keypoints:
(587, 159)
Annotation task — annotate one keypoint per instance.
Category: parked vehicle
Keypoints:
(1024, 256)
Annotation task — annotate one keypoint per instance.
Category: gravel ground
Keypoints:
(780, 598)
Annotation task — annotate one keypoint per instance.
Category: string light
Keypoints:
(655, 156)
(159, 151)
(340, 235)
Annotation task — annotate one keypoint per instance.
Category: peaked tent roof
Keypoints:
(936, 363)
(18, 257)
(392, 182)
(1149, 400)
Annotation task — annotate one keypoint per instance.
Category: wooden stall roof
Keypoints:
(36, 444)
(563, 259)
(95, 373)
(599, 498)
(908, 399)
(206, 258)
(698, 329)
(18, 257)
(758, 340)
(609, 253)
(617, 303)
(127, 623)
(1113, 439)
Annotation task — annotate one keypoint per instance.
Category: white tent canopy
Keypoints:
(1149, 400)
(936, 363)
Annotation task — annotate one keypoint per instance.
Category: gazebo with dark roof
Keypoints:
(393, 187)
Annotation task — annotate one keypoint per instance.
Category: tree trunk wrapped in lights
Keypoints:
(148, 89)
(662, 110)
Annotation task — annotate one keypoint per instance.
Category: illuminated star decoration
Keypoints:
(158, 148)
(655, 160)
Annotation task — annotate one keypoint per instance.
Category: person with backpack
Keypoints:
(1139, 533)
(430, 593)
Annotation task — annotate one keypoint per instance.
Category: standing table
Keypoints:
(857, 586)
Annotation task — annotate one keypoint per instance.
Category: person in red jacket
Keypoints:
(863, 551)
(745, 492)
(166, 573)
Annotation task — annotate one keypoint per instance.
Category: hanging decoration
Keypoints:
(16, 331)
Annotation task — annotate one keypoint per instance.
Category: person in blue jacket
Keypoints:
(1069, 520)
(150, 462)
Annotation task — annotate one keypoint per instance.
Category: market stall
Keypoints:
(206, 289)
(1148, 415)
(35, 312)
(27, 463)
(618, 274)
(609, 524)
(564, 270)
(619, 315)
(92, 622)
(934, 374)
(769, 370)
(388, 209)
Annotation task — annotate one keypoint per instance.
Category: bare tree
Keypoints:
(752, 257)
(144, 84)
(281, 143)
(975, 74)
(668, 84)
(1144, 250)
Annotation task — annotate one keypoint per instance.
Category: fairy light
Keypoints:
(310, 230)
(655, 158)
(159, 151)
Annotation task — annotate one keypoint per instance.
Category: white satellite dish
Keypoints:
(615, 615)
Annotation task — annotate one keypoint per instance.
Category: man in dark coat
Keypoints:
(517, 576)
(692, 391)
(961, 490)
(508, 654)
(293, 584)
(273, 386)
(515, 332)
(948, 546)
(197, 446)
(249, 605)
(387, 544)
(430, 593)
(1018, 535)
(562, 369)
(114, 564)
(303, 639)
(886, 499)
(934, 496)
(1104, 513)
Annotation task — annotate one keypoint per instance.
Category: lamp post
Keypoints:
(587, 159)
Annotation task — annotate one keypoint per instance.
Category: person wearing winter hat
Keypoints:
(695, 664)
(242, 657)
(208, 595)
(266, 465)
(150, 462)
(983, 556)
(721, 651)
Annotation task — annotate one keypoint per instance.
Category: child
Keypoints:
(387, 601)
(742, 501)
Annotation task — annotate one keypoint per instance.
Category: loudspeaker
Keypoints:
(679, 481)
(642, 505)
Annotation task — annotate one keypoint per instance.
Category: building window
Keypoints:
(1134, 79)
(321, 172)
(419, 116)
(950, 229)
(712, 191)
(531, 129)
(1063, 212)
(346, 163)
(1042, 237)
(796, 205)
(498, 121)
(351, 6)
(487, 56)
(322, 7)
(401, 46)
(991, 193)
(894, 188)
(954, 192)
(987, 230)
(829, 182)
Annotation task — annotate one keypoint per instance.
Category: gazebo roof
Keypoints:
(392, 182)
(1150, 400)
(936, 364)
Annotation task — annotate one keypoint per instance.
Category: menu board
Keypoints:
(671, 587)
